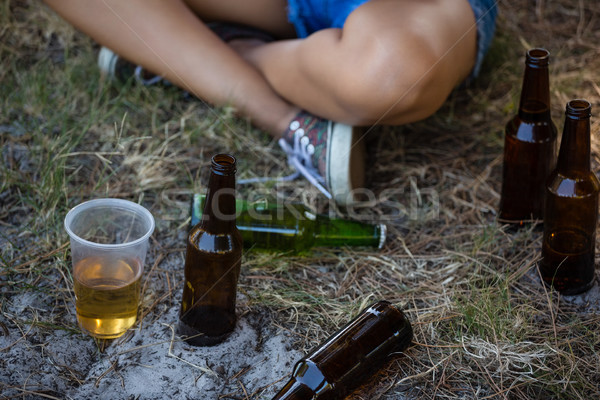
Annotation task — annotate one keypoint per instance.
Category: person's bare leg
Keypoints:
(267, 15)
(394, 62)
(166, 37)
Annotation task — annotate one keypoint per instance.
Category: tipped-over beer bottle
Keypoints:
(529, 145)
(571, 212)
(212, 262)
(293, 227)
(349, 356)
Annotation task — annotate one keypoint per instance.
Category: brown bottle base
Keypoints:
(196, 338)
(568, 261)
(568, 287)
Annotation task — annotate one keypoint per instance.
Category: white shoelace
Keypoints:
(139, 76)
(299, 157)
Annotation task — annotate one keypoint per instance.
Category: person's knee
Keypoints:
(386, 87)
(396, 73)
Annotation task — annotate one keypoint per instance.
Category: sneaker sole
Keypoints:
(107, 62)
(345, 163)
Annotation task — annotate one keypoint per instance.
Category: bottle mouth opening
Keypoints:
(579, 108)
(223, 164)
(538, 57)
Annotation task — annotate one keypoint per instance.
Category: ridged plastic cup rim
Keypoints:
(126, 204)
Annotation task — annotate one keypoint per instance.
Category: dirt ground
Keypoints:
(147, 363)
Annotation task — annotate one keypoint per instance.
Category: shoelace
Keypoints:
(154, 79)
(299, 157)
(139, 76)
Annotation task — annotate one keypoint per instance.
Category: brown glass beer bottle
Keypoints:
(571, 212)
(348, 357)
(529, 145)
(212, 262)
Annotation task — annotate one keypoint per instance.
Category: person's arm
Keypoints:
(167, 38)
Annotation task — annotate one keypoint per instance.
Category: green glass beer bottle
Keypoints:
(212, 263)
(349, 356)
(529, 145)
(292, 227)
(568, 248)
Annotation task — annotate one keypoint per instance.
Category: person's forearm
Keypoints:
(167, 38)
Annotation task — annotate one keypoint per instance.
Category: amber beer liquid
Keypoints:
(571, 214)
(107, 292)
(109, 241)
(529, 145)
(212, 263)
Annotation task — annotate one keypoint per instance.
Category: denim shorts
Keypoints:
(309, 16)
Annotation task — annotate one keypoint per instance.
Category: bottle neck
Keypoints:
(294, 390)
(218, 216)
(339, 232)
(534, 105)
(574, 155)
(350, 355)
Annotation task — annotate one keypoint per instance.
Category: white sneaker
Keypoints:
(119, 69)
(329, 155)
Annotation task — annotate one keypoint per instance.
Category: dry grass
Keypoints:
(484, 326)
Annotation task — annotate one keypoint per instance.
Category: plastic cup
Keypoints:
(109, 242)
